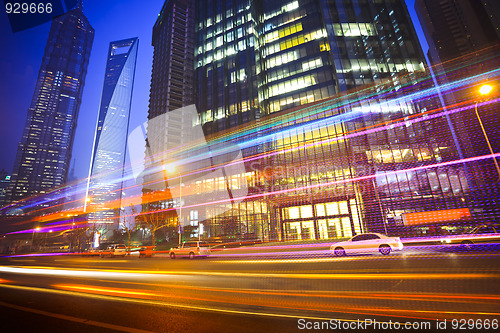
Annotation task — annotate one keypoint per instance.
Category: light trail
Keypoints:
(120, 273)
(315, 110)
(287, 301)
(307, 310)
(328, 141)
(173, 305)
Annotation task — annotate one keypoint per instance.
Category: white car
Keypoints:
(367, 243)
(191, 250)
(115, 250)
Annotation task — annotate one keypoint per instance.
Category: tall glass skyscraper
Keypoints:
(264, 57)
(296, 84)
(110, 141)
(44, 152)
(173, 41)
(260, 57)
(226, 84)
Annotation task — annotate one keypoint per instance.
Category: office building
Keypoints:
(44, 152)
(468, 31)
(110, 142)
(173, 70)
(4, 184)
(455, 28)
(258, 58)
(291, 83)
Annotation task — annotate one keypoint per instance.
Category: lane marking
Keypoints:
(73, 319)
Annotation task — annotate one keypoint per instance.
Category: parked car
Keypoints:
(484, 233)
(146, 251)
(114, 250)
(367, 243)
(91, 252)
(190, 249)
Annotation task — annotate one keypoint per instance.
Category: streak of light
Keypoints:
(357, 133)
(338, 102)
(39, 254)
(414, 314)
(334, 259)
(427, 297)
(312, 276)
(336, 182)
(105, 291)
(281, 303)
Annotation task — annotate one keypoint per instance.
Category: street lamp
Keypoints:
(72, 230)
(171, 169)
(33, 237)
(484, 90)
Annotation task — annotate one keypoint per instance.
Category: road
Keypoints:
(259, 293)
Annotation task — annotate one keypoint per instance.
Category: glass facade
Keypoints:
(44, 152)
(110, 142)
(303, 52)
(371, 41)
(173, 63)
(225, 80)
(325, 99)
(294, 66)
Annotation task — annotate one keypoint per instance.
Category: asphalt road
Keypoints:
(250, 293)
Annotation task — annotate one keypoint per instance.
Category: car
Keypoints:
(483, 233)
(367, 243)
(146, 251)
(190, 249)
(114, 250)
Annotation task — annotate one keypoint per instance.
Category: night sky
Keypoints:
(21, 54)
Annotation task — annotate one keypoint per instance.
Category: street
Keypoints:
(247, 293)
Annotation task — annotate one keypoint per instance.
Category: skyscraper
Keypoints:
(225, 64)
(468, 32)
(172, 75)
(110, 141)
(456, 28)
(300, 82)
(258, 57)
(44, 152)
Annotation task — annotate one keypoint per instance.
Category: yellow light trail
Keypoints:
(41, 270)
(458, 298)
(106, 291)
(401, 313)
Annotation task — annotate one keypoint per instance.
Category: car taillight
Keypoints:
(198, 248)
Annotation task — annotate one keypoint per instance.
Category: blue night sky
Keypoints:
(112, 20)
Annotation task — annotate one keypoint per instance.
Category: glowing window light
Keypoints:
(291, 6)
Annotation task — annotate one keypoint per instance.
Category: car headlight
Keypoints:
(446, 240)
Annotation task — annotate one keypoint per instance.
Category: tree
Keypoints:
(153, 221)
(129, 223)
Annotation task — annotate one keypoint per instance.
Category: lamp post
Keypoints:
(46, 239)
(171, 169)
(484, 90)
(88, 200)
(72, 227)
(33, 237)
